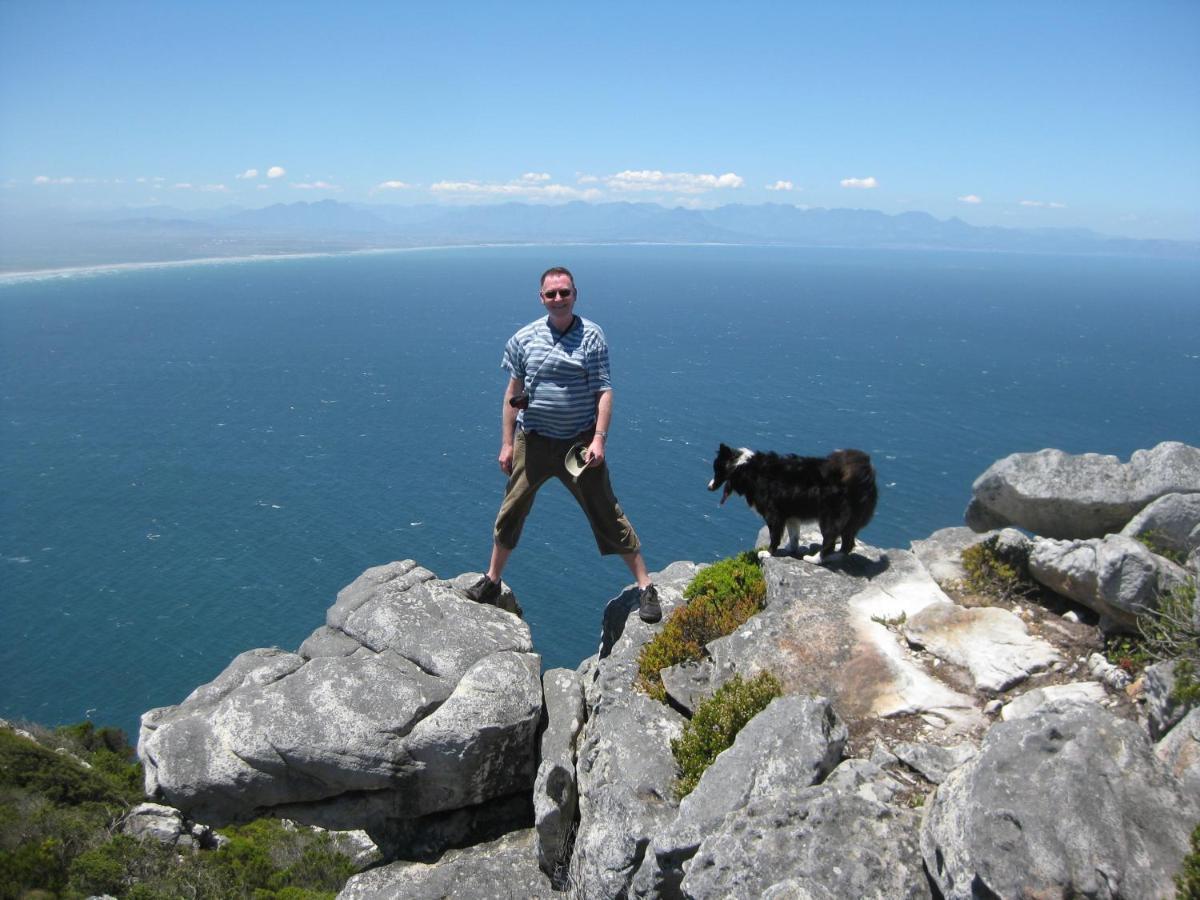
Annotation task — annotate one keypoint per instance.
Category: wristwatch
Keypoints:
(602, 434)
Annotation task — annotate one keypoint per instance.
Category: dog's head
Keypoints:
(726, 461)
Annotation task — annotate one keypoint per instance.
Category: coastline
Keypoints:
(29, 275)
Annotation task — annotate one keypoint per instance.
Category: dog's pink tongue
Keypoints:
(725, 495)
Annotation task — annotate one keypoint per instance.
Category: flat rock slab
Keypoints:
(822, 634)
(410, 700)
(1066, 803)
(1030, 702)
(498, 870)
(1060, 495)
(993, 644)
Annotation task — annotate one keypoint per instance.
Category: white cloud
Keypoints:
(521, 187)
(315, 186)
(1049, 204)
(535, 177)
(249, 173)
(276, 172)
(43, 179)
(392, 186)
(1056, 205)
(587, 179)
(865, 183)
(673, 182)
(66, 179)
(781, 186)
(263, 187)
(970, 198)
(215, 188)
(182, 185)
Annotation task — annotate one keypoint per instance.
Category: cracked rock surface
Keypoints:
(409, 701)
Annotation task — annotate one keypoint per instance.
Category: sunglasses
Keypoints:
(554, 294)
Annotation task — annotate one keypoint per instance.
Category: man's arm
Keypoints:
(508, 425)
(603, 418)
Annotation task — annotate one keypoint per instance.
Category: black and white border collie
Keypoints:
(836, 491)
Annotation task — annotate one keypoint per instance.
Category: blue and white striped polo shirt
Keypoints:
(562, 375)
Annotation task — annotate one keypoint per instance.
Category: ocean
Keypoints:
(195, 459)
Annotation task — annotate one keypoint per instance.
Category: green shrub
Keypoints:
(989, 571)
(1187, 879)
(720, 598)
(1170, 632)
(716, 723)
(1129, 652)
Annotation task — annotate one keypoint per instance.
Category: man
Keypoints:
(559, 395)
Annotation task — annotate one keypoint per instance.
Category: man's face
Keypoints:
(559, 305)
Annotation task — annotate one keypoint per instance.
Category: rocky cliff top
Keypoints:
(932, 738)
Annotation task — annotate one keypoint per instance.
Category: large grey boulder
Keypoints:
(1060, 495)
(497, 870)
(1116, 576)
(1069, 802)
(410, 701)
(826, 842)
(555, 799)
(993, 644)
(795, 742)
(625, 769)
(823, 633)
(1173, 521)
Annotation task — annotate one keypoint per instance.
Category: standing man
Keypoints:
(559, 395)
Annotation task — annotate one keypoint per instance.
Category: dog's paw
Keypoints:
(812, 558)
(764, 554)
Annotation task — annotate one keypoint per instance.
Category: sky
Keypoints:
(1022, 114)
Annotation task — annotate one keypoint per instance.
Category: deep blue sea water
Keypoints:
(194, 460)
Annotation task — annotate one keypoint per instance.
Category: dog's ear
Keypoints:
(724, 450)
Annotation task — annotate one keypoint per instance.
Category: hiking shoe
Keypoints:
(649, 608)
(484, 591)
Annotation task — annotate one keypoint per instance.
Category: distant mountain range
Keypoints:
(159, 233)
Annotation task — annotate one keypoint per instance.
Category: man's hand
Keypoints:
(506, 458)
(596, 452)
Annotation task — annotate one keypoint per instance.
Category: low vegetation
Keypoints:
(1157, 543)
(720, 598)
(717, 722)
(992, 573)
(63, 796)
(1171, 632)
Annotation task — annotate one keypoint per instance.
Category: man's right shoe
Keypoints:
(649, 609)
(484, 591)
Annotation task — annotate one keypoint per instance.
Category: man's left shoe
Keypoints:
(484, 591)
(649, 608)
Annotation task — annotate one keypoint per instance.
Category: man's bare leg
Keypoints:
(637, 567)
(499, 560)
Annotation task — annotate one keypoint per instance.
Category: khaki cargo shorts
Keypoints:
(537, 459)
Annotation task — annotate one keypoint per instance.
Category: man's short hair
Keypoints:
(557, 270)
